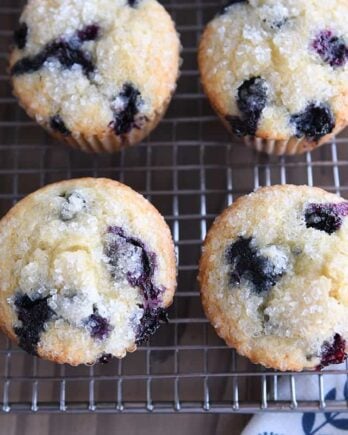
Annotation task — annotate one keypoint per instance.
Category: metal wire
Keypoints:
(190, 170)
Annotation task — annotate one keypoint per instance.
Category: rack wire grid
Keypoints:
(191, 171)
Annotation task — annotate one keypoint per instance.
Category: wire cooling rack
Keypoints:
(191, 171)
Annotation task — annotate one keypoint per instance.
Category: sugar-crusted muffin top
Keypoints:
(277, 69)
(87, 269)
(91, 66)
(274, 277)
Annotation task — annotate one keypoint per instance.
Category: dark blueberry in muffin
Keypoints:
(67, 54)
(74, 204)
(316, 121)
(333, 353)
(98, 326)
(149, 323)
(129, 257)
(88, 33)
(251, 100)
(20, 36)
(105, 358)
(252, 96)
(133, 3)
(331, 48)
(28, 65)
(242, 127)
(57, 124)
(33, 314)
(246, 263)
(230, 3)
(326, 217)
(126, 110)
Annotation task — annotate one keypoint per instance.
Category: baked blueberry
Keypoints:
(252, 96)
(105, 358)
(331, 48)
(20, 36)
(130, 259)
(98, 326)
(33, 315)
(67, 54)
(150, 322)
(326, 217)
(133, 3)
(248, 264)
(88, 33)
(57, 124)
(333, 353)
(126, 107)
(242, 127)
(251, 100)
(28, 65)
(316, 121)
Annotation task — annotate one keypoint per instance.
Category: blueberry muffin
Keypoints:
(274, 277)
(98, 74)
(276, 72)
(87, 270)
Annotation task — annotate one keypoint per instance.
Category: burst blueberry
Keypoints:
(66, 52)
(326, 217)
(105, 358)
(251, 100)
(129, 255)
(126, 108)
(88, 33)
(20, 36)
(333, 353)
(248, 264)
(133, 3)
(57, 124)
(28, 65)
(316, 121)
(33, 314)
(69, 56)
(252, 96)
(243, 127)
(98, 326)
(331, 48)
(150, 323)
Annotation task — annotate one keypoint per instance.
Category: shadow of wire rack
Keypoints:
(190, 170)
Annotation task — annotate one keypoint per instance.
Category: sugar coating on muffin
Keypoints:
(87, 269)
(274, 277)
(95, 67)
(278, 69)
